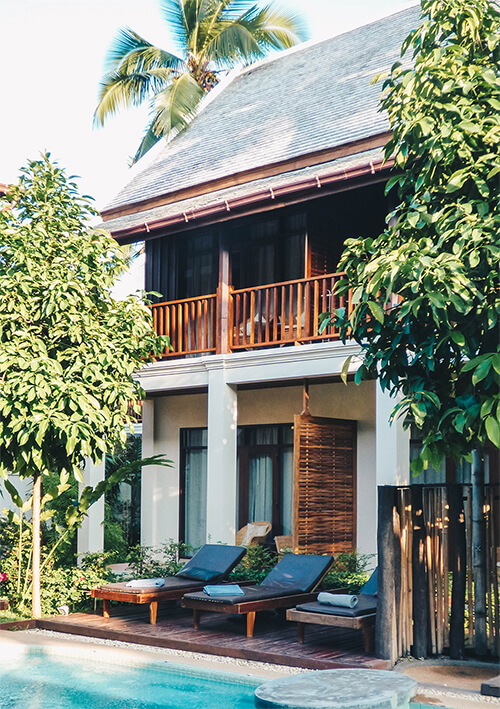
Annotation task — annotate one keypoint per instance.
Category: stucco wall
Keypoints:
(274, 405)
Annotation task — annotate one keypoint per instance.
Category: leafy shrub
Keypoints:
(255, 565)
(162, 560)
(350, 571)
(61, 584)
(71, 586)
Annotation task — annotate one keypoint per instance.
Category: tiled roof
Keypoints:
(308, 99)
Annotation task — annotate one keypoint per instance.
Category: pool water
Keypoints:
(35, 679)
(41, 682)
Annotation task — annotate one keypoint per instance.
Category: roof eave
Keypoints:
(239, 206)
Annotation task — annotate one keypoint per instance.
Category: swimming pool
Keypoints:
(59, 677)
(49, 681)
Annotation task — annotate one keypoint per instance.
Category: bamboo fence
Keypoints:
(426, 575)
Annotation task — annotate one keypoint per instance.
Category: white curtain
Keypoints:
(287, 491)
(260, 492)
(195, 495)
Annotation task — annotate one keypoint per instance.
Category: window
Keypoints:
(265, 475)
(193, 492)
(265, 479)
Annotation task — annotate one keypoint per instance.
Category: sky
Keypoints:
(51, 56)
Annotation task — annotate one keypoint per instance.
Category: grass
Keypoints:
(10, 617)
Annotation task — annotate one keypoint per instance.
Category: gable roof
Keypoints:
(272, 119)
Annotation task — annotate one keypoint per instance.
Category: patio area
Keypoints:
(275, 639)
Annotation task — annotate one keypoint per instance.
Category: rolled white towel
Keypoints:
(146, 583)
(338, 599)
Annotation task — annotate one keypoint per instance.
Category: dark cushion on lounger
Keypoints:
(300, 571)
(171, 583)
(366, 605)
(212, 562)
(371, 586)
(250, 593)
(294, 574)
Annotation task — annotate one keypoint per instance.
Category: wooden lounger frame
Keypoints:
(365, 622)
(152, 598)
(248, 608)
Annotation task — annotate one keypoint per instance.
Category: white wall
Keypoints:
(160, 515)
(160, 485)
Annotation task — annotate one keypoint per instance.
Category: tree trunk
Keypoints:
(479, 553)
(386, 637)
(36, 608)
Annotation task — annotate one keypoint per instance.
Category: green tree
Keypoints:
(68, 349)
(212, 36)
(427, 290)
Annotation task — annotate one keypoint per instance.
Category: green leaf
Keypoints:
(376, 311)
(482, 371)
(457, 180)
(345, 368)
(493, 430)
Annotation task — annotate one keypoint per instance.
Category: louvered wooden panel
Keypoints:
(324, 493)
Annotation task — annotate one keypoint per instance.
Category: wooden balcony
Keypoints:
(231, 320)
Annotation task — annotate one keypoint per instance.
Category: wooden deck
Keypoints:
(275, 639)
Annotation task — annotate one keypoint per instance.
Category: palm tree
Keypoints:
(213, 35)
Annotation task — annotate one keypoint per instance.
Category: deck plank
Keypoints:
(275, 639)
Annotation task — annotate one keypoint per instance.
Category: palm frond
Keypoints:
(176, 106)
(132, 53)
(275, 28)
(231, 43)
(148, 141)
(174, 15)
(119, 89)
(254, 32)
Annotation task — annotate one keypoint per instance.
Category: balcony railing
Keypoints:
(278, 314)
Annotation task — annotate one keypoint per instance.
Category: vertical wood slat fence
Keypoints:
(283, 313)
(190, 325)
(426, 582)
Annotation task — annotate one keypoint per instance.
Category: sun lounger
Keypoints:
(361, 616)
(292, 581)
(212, 563)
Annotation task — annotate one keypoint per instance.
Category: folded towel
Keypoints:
(146, 583)
(229, 589)
(338, 599)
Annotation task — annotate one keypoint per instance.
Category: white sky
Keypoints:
(51, 59)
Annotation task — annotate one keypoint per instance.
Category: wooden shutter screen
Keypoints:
(324, 485)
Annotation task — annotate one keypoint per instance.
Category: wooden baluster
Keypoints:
(166, 315)
(299, 310)
(237, 319)
(268, 316)
(258, 316)
(174, 340)
(185, 324)
(316, 304)
(213, 323)
(244, 317)
(275, 315)
(252, 317)
(310, 329)
(192, 326)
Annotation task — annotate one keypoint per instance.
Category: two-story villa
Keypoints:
(244, 216)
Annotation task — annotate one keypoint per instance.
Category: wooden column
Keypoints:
(458, 569)
(419, 573)
(479, 553)
(386, 643)
(223, 310)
